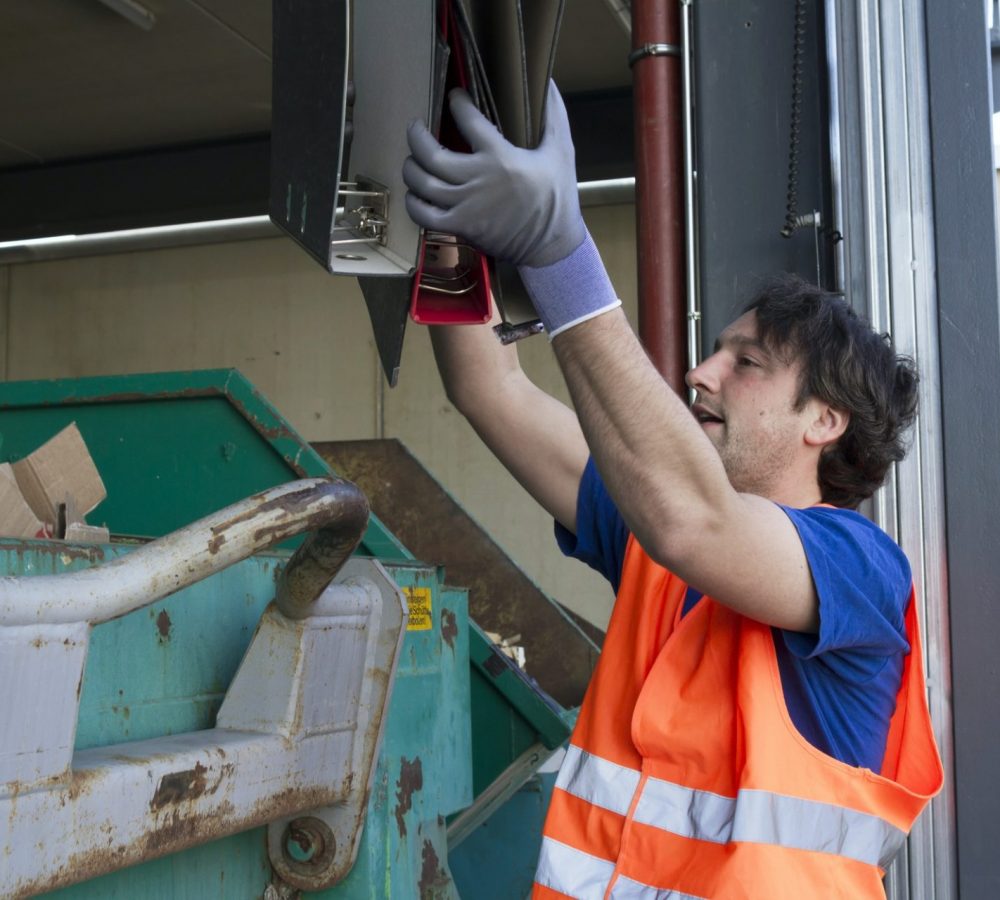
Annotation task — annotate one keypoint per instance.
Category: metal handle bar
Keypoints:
(334, 509)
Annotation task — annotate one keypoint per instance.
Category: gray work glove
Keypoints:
(513, 204)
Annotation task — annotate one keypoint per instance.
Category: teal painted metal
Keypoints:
(163, 670)
(424, 771)
(171, 447)
(479, 871)
(510, 712)
(176, 446)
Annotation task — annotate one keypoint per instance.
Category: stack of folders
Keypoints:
(501, 52)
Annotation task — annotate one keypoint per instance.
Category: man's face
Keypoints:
(746, 405)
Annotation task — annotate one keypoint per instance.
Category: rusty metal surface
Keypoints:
(171, 563)
(198, 803)
(411, 779)
(403, 494)
(299, 728)
(382, 632)
(321, 556)
(431, 705)
(299, 731)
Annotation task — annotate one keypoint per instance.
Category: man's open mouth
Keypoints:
(704, 415)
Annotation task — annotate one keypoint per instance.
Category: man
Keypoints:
(757, 724)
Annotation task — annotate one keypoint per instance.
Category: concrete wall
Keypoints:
(304, 339)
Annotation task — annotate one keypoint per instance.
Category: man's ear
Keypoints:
(826, 424)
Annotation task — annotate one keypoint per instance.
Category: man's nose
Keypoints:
(704, 377)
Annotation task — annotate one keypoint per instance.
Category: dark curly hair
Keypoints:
(850, 366)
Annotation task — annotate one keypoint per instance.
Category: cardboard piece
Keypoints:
(16, 518)
(60, 473)
(81, 533)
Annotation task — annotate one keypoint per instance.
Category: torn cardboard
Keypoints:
(16, 518)
(60, 474)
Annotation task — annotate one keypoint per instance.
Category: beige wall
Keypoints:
(304, 339)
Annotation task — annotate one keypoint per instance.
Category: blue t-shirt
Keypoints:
(840, 685)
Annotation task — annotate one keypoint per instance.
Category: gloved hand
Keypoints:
(513, 204)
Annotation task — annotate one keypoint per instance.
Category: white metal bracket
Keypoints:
(298, 730)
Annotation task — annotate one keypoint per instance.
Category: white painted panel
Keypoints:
(41, 667)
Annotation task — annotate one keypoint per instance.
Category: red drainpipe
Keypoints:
(659, 207)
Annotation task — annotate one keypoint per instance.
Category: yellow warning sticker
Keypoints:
(419, 601)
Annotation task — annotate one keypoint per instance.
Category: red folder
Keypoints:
(452, 282)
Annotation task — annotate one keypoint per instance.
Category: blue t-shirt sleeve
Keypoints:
(862, 580)
(840, 685)
(601, 534)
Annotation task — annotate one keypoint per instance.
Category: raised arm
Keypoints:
(660, 468)
(534, 435)
(671, 487)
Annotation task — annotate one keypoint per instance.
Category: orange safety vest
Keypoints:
(685, 777)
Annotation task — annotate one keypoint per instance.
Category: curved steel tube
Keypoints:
(313, 565)
(336, 509)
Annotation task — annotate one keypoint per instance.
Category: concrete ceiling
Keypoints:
(78, 80)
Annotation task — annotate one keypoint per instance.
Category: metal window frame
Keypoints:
(880, 125)
(967, 287)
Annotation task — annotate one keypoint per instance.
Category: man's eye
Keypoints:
(747, 361)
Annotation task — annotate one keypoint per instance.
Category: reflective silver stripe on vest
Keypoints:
(598, 781)
(584, 877)
(754, 816)
(573, 872)
(627, 889)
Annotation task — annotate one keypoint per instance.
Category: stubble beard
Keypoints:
(755, 465)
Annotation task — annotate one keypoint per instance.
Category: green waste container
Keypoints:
(465, 731)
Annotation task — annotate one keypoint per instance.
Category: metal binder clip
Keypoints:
(449, 265)
(367, 217)
(452, 283)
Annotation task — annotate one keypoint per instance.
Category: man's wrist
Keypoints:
(572, 290)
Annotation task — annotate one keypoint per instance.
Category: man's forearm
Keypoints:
(658, 465)
(537, 438)
(472, 362)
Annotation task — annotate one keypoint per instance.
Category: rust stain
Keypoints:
(163, 624)
(291, 502)
(179, 786)
(216, 543)
(411, 779)
(281, 530)
(53, 550)
(434, 881)
(175, 828)
(449, 627)
(178, 827)
(296, 502)
(81, 781)
(139, 396)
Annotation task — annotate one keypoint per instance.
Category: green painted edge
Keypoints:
(548, 718)
(274, 428)
(229, 383)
